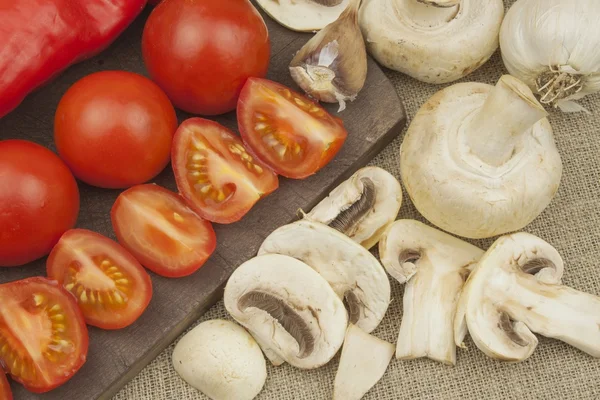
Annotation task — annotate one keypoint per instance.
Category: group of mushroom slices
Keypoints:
(315, 288)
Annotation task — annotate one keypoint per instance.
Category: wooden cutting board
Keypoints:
(115, 357)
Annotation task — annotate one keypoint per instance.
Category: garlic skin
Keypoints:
(552, 46)
(480, 160)
(332, 66)
(433, 41)
(303, 15)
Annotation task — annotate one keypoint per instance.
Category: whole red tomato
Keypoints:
(202, 51)
(39, 201)
(114, 129)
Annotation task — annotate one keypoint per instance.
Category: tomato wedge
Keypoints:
(5, 393)
(43, 337)
(110, 285)
(293, 135)
(215, 173)
(161, 231)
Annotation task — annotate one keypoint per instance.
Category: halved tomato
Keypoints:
(215, 173)
(161, 231)
(43, 337)
(293, 135)
(110, 285)
(5, 393)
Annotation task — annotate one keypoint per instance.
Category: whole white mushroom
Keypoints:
(222, 360)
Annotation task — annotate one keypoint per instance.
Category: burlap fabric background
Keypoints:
(555, 371)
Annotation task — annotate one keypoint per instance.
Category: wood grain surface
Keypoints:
(373, 120)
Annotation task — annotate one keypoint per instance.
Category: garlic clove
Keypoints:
(332, 66)
(303, 15)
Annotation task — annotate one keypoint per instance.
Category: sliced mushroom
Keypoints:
(290, 309)
(516, 290)
(361, 207)
(304, 15)
(353, 273)
(434, 266)
(362, 364)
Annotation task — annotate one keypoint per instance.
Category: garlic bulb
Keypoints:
(552, 46)
(332, 66)
(433, 41)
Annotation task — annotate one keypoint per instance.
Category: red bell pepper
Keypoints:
(41, 38)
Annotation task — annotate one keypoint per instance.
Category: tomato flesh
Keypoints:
(215, 173)
(290, 133)
(161, 231)
(5, 393)
(43, 337)
(111, 287)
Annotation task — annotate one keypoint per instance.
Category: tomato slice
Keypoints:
(293, 135)
(161, 231)
(5, 393)
(110, 285)
(215, 173)
(43, 337)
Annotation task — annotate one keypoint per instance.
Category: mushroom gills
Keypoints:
(506, 324)
(348, 218)
(353, 304)
(285, 315)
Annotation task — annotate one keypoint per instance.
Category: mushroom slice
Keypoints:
(434, 266)
(361, 207)
(353, 273)
(362, 364)
(290, 309)
(516, 290)
(304, 15)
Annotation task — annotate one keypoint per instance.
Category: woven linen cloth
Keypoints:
(555, 371)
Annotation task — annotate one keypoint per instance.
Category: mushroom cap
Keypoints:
(454, 190)
(372, 222)
(433, 51)
(289, 308)
(351, 270)
(222, 360)
(303, 15)
(492, 286)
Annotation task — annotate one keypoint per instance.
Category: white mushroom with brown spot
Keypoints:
(514, 291)
(361, 207)
(291, 311)
(222, 360)
(480, 160)
(303, 15)
(434, 41)
(352, 271)
(364, 360)
(434, 267)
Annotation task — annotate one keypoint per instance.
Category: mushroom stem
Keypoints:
(429, 13)
(496, 131)
(558, 312)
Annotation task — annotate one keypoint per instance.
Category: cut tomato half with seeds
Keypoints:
(110, 285)
(293, 135)
(215, 173)
(5, 393)
(161, 231)
(43, 337)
